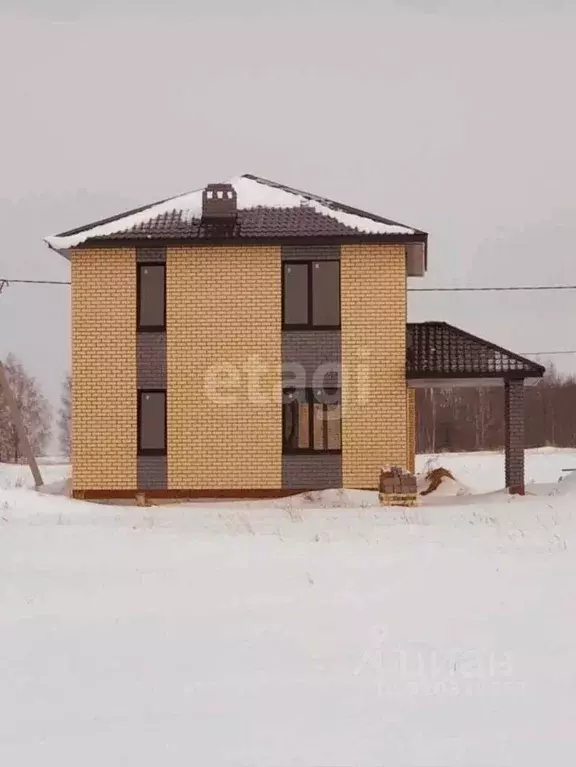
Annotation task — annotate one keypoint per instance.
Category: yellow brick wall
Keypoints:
(374, 426)
(223, 310)
(103, 369)
(411, 440)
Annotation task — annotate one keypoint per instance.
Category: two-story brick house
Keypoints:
(251, 339)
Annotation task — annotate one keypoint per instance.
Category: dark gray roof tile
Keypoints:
(440, 350)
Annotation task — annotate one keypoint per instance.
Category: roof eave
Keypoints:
(148, 241)
(447, 375)
(65, 252)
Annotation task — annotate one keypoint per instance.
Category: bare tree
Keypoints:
(34, 409)
(473, 419)
(64, 415)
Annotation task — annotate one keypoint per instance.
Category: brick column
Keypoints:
(514, 439)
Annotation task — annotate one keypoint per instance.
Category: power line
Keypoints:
(485, 289)
(546, 354)
(410, 290)
(34, 282)
(4, 282)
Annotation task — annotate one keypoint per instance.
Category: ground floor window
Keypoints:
(152, 422)
(311, 421)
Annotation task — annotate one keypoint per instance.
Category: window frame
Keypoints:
(310, 399)
(310, 307)
(147, 451)
(148, 328)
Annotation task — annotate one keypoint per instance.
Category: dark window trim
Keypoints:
(152, 451)
(310, 324)
(149, 328)
(310, 400)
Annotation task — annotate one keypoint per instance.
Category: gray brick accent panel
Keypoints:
(151, 374)
(152, 472)
(312, 472)
(144, 255)
(514, 439)
(310, 252)
(151, 360)
(318, 351)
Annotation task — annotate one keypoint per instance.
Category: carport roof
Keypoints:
(440, 350)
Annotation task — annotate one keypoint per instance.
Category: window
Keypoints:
(152, 422)
(311, 421)
(296, 294)
(151, 296)
(311, 294)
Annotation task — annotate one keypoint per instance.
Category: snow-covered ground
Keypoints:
(53, 469)
(483, 472)
(292, 633)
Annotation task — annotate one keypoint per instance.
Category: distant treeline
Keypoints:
(473, 419)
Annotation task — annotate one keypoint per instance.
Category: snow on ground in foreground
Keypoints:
(286, 634)
(53, 469)
(483, 472)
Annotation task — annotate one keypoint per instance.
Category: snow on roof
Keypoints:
(252, 192)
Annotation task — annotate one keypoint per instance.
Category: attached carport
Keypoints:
(440, 355)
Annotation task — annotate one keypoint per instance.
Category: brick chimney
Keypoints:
(219, 202)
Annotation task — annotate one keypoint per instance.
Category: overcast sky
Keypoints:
(457, 117)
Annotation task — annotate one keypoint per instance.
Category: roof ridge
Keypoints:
(125, 214)
(329, 203)
(140, 209)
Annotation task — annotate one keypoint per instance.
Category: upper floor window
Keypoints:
(311, 294)
(151, 297)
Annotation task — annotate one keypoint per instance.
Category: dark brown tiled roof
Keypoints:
(250, 223)
(266, 211)
(440, 350)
